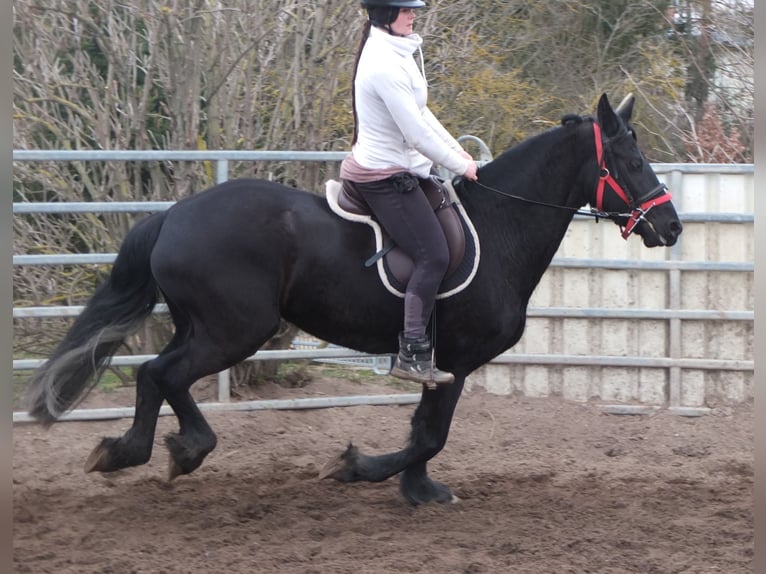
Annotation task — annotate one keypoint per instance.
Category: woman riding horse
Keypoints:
(396, 142)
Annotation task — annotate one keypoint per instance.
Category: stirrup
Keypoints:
(430, 377)
(415, 363)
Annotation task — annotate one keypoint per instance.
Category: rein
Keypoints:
(640, 207)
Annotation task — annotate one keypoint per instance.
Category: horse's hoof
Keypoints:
(333, 469)
(418, 488)
(186, 453)
(100, 459)
(174, 470)
(341, 468)
(97, 461)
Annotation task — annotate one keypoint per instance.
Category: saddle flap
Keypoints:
(396, 266)
(453, 231)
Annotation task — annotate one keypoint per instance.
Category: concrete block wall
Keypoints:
(661, 372)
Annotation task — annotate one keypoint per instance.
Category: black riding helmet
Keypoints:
(393, 3)
(383, 12)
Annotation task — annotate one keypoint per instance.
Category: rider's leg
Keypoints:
(410, 220)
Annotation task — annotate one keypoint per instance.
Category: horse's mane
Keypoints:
(567, 121)
(539, 141)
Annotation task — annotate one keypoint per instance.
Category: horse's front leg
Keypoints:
(430, 428)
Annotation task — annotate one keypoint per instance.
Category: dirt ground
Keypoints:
(545, 486)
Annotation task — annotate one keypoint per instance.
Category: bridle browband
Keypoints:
(639, 207)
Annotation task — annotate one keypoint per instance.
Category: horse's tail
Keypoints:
(115, 310)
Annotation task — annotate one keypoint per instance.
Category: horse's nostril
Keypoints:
(676, 227)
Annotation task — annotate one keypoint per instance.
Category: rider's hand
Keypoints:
(470, 171)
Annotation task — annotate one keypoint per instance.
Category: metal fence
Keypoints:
(674, 266)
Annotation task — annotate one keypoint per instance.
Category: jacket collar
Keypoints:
(402, 45)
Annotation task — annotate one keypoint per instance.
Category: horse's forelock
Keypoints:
(571, 119)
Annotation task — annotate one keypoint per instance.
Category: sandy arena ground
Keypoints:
(546, 486)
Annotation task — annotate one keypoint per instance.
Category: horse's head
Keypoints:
(628, 189)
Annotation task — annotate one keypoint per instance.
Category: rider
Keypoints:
(396, 142)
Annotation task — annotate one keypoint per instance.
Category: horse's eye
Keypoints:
(636, 163)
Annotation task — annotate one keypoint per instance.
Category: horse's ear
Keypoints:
(625, 109)
(607, 119)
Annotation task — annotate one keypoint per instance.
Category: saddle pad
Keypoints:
(455, 283)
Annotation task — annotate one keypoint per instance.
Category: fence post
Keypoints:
(224, 377)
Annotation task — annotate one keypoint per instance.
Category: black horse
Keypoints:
(232, 261)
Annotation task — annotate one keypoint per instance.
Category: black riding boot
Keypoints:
(414, 363)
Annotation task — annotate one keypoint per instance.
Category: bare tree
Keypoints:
(715, 38)
(276, 74)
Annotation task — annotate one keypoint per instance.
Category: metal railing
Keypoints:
(222, 158)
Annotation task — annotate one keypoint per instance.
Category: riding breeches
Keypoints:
(405, 213)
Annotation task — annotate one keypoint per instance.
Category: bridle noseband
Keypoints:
(641, 206)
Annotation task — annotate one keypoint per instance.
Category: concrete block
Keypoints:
(725, 388)
(692, 388)
(736, 241)
(547, 289)
(615, 289)
(732, 193)
(652, 290)
(536, 337)
(652, 385)
(536, 383)
(619, 384)
(574, 290)
(693, 340)
(651, 338)
(576, 382)
(613, 246)
(695, 196)
(694, 293)
(732, 292)
(578, 241)
(576, 339)
(497, 380)
(693, 242)
(616, 338)
(729, 340)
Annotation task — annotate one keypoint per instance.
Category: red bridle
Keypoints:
(641, 206)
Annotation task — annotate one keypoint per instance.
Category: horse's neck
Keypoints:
(518, 236)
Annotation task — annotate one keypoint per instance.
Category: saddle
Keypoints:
(394, 265)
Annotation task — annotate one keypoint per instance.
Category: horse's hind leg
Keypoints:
(212, 347)
(195, 439)
(430, 428)
(169, 377)
(190, 356)
(174, 373)
(135, 446)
